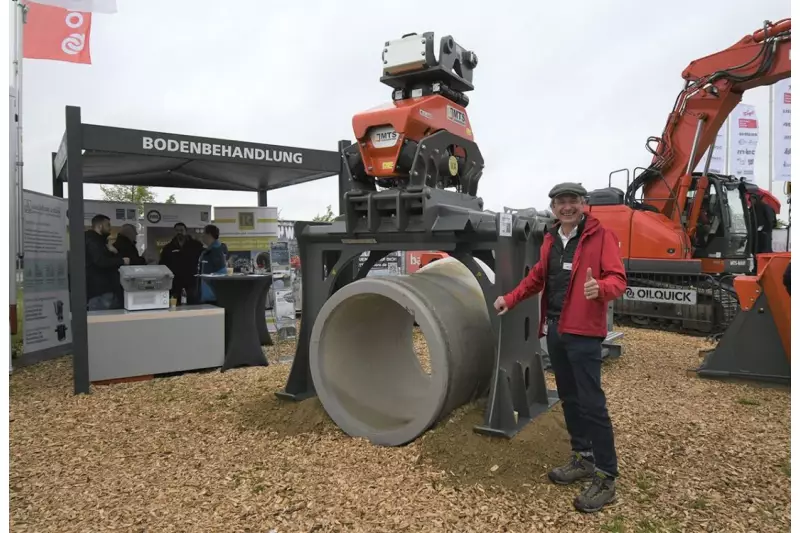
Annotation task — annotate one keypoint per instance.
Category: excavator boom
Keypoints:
(714, 86)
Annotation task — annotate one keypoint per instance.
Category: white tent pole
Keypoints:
(19, 24)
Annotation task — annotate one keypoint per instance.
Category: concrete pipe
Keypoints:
(362, 357)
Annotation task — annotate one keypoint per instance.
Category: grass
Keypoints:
(649, 525)
(786, 468)
(646, 485)
(748, 401)
(617, 525)
(699, 503)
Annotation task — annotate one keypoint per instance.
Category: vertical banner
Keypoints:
(782, 131)
(247, 232)
(744, 141)
(719, 158)
(160, 219)
(47, 325)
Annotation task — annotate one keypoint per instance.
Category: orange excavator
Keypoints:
(684, 235)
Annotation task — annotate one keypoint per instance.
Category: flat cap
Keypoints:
(567, 188)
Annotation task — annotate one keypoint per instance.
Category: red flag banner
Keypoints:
(57, 34)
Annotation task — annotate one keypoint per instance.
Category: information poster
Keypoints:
(45, 286)
(120, 213)
(744, 142)
(782, 131)
(160, 220)
(248, 233)
(282, 289)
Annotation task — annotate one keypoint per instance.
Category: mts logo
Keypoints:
(457, 116)
(383, 136)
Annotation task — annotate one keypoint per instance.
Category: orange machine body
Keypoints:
(381, 131)
(644, 234)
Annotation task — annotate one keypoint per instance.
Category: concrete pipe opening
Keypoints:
(365, 369)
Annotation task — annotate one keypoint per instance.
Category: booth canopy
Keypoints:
(89, 153)
(118, 156)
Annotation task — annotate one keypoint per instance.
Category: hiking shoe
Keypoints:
(600, 493)
(579, 467)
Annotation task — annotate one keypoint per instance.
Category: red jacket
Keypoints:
(598, 249)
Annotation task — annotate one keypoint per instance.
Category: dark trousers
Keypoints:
(576, 362)
(764, 242)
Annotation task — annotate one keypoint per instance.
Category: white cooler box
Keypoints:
(145, 287)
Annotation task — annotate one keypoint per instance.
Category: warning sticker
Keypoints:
(670, 296)
(505, 224)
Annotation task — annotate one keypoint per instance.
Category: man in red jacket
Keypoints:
(580, 270)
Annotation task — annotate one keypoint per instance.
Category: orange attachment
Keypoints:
(429, 257)
(770, 271)
(381, 131)
(769, 280)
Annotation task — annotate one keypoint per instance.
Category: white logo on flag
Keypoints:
(73, 44)
(74, 20)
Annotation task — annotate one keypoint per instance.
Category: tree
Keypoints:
(327, 217)
(136, 194)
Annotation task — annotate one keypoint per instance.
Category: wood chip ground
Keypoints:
(212, 452)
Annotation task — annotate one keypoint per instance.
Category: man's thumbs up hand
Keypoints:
(590, 289)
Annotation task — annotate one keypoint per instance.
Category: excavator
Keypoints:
(684, 235)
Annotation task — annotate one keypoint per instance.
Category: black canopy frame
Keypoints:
(91, 153)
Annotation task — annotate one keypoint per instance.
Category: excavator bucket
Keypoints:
(757, 344)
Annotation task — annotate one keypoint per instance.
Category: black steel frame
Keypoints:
(68, 166)
(433, 219)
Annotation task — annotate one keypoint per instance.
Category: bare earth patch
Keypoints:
(219, 452)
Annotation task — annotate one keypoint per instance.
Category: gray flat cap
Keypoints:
(567, 188)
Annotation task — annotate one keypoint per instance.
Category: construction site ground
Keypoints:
(214, 451)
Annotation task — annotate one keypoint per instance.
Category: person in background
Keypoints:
(125, 244)
(212, 261)
(579, 271)
(180, 255)
(102, 267)
(766, 220)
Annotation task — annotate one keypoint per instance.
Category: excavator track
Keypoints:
(716, 305)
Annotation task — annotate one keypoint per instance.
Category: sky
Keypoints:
(558, 96)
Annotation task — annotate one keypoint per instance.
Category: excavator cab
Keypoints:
(724, 228)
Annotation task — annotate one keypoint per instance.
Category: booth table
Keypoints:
(239, 295)
(261, 318)
(126, 344)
